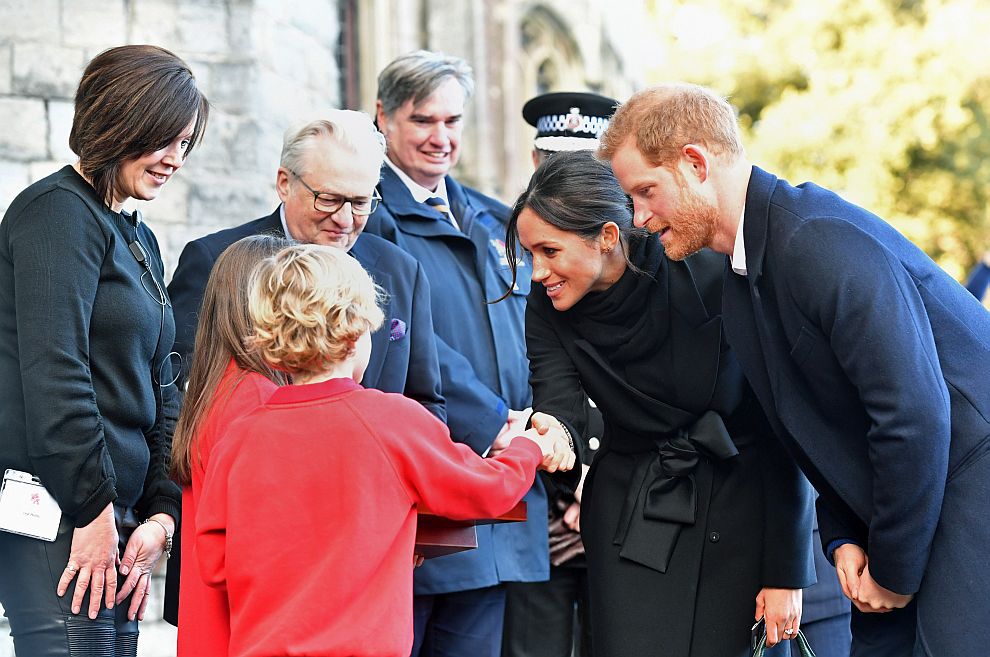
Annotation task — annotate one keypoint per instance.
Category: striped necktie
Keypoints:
(440, 206)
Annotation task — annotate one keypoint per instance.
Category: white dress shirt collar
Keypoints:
(739, 250)
(419, 192)
(285, 226)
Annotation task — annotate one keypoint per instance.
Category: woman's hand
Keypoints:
(144, 548)
(92, 563)
(782, 610)
(562, 456)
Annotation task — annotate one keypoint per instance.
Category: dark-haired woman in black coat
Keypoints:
(694, 522)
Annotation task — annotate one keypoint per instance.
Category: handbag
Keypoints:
(760, 642)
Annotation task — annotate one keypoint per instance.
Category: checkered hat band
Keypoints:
(557, 124)
(559, 144)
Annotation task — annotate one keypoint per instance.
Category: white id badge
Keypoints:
(27, 508)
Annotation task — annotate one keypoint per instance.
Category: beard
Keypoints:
(693, 228)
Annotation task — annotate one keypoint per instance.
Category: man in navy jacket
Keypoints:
(340, 158)
(870, 361)
(457, 234)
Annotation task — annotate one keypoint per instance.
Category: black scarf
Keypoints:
(629, 322)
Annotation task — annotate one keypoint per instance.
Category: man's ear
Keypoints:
(694, 159)
(380, 119)
(282, 183)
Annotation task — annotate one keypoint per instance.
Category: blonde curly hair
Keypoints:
(309, 305)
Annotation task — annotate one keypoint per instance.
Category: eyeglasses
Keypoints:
(330, 203)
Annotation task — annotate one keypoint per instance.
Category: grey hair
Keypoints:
(417, 75)
(353, 130)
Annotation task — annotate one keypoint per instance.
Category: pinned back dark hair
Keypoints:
(132, 100)
(576, 193)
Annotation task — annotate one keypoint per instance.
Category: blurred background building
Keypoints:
(267, 63)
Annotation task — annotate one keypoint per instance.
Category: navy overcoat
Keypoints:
(873, 365)
(483, 364)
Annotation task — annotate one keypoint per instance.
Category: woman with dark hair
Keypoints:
(87, 399)
(226, 381)
(693, 523)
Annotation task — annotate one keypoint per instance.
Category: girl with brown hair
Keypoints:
(226, 381)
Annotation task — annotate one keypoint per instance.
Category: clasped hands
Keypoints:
(93, 564)
(853, 568)
(546, 432)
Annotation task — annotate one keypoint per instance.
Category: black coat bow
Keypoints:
(663, 494)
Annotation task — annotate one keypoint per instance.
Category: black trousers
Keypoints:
(540, 616)
(41, 623)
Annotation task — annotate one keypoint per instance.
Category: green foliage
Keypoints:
(884, 101)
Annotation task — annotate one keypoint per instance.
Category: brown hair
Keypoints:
(132, 100)
(667, 117)
(224, 323)
(309, 304)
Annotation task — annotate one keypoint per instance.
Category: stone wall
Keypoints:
(263, 64)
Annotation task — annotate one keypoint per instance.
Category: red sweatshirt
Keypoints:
(204, 618)
(308, 516)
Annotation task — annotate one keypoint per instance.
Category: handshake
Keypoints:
(553, 440)
(548, 434)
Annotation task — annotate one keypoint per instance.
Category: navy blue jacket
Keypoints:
(871, 362)
(483, 364)
(406, 365)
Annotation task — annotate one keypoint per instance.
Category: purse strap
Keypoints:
(804, 648)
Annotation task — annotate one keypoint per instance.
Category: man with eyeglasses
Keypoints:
(326, 181)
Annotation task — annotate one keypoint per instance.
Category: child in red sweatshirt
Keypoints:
(308, 513)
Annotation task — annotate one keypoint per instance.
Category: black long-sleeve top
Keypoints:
(86, 400)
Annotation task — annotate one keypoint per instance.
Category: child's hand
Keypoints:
(557, 453)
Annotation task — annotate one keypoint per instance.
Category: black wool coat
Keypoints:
(690, 507)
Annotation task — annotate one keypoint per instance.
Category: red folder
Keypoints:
(437, 536)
